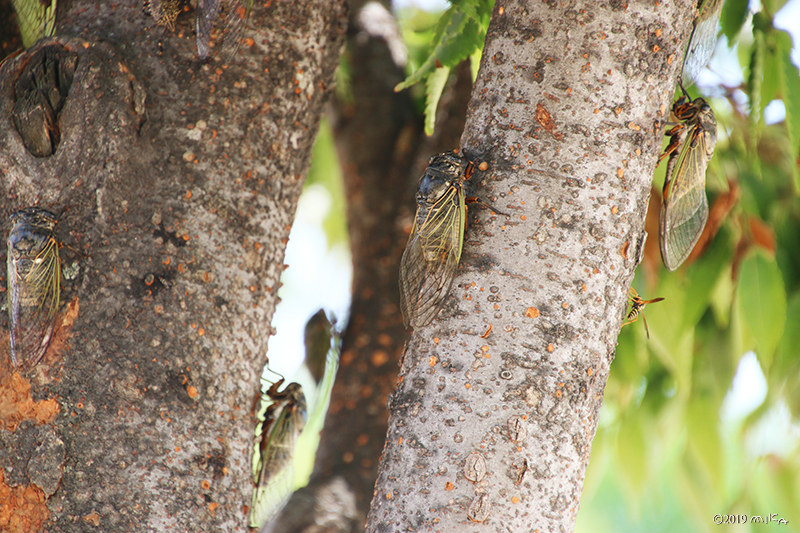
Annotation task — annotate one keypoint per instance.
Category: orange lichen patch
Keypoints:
(432, 361)
(212, 508)
(590, 371)
(550, 348)
(388, 495)
(486, 333)
(449, 486)
(92, 518)
(191, 391)
(379, 358)
(515, 499)
(483, 166)
(620, 172)
(16, 404)
(531, 312)
(23, 508)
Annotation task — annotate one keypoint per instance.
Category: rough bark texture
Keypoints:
(383, 152)
(176, 182)
(497, 404)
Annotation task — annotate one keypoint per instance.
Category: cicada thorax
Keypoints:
(684, 208)
(430, 260)
(284, 419)
(34, 284)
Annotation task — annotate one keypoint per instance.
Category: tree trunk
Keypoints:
(382, 151)
(498, 399)
(176, 182)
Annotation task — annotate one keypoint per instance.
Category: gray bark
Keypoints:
(493, 419)
(176, 181)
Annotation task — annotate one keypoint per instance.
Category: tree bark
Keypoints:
(176, 182)
(496, 408)
(382, 152)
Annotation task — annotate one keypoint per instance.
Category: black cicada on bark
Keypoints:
(34, 284)
(434, 247)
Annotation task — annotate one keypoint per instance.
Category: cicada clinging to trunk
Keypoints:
(431, 257)
(283, 421)
(684, 207)
(34, 284)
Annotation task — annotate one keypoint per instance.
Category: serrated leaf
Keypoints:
(434, 87)
(734, 13)
(763, 303)
(459, 38)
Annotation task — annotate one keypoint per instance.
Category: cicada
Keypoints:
(36, 19)
(235, 23)
(703, 39)
(637, 306)
(274, 461)
(431, 257)
(684, 207)
(34, 284)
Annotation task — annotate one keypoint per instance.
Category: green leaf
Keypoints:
(734, 13)
(790, 91)
(457, 36)
(786, 362)
(755, 82)
(762, 298)
(435, 85)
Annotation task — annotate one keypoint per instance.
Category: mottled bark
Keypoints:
(498, 400)
(176, 183)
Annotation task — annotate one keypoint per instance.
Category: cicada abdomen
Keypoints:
(703, 39)
(431, 257)
(274, 462)
(684, 206)
(34, 284)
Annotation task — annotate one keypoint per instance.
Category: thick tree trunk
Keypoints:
(176, 182)
(497, 405)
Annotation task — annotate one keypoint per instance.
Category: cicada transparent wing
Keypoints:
(637, 306)
(429, 262)
(36, 19)
(34, 284)
(703, 39)
(684, 208)
(207, 11)
(274, 461)
(238, 15)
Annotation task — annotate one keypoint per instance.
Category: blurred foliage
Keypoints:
(325, 172)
